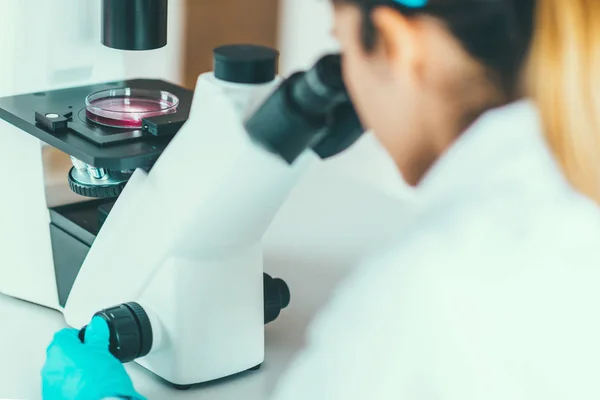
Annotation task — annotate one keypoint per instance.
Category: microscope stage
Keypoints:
(59, 119)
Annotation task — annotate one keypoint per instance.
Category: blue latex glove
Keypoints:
(78, 371)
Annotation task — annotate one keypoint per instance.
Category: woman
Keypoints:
(491, 108)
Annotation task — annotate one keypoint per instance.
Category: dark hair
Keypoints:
(498, 33)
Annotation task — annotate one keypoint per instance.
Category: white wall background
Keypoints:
(305, 27)
(69, 53)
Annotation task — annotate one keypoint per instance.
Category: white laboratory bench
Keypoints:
(328, 225)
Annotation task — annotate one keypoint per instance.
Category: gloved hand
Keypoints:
(78, 371)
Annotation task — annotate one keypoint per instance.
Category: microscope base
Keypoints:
(188, 387)
(182, 387)
(73, 230)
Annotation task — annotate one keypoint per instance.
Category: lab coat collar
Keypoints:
(504, 150)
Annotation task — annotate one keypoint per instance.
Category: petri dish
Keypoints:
(127, 107)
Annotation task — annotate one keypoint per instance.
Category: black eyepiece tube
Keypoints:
(295, 117)
(343, 131)
(134, 24)
(321, 88)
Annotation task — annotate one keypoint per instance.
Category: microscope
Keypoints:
(172, 190)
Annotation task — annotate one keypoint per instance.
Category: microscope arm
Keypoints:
(184, 241)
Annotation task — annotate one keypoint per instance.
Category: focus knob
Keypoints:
(130, 331)
(85, 185)
(276, 297)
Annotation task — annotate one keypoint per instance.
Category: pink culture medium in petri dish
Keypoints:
(127, 107)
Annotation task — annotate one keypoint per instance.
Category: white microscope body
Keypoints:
(184, 241)
(181, 249)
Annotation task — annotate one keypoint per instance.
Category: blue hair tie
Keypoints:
(412, 3)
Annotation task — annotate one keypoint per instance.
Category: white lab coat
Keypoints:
(492, 291)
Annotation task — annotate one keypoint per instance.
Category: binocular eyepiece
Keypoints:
(310, 110)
